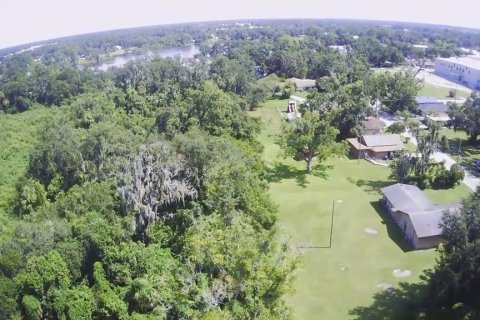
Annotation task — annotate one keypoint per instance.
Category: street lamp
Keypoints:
(331, 224)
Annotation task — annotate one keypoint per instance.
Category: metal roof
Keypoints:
(433, 107)
(424, 215)
(407, 198)
(360, 146)
(427, 224)
(441, 118)
(303, 83)
(425, 99)
(378, 140)
(469, 61)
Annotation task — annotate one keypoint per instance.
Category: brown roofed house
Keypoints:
(377, 147)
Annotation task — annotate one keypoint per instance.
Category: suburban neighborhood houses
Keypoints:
(416, 216)
(265, 169)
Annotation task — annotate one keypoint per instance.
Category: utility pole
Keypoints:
(359, 148)
(459, 149)
(455, 94)
(331, 223)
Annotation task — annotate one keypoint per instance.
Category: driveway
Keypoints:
(470, 180)
(386, 117)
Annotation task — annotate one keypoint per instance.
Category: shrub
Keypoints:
(444, 145)
(446, 179)
(288, 90)
(457, 174)
(442, 180)
(438, 177)
(397, 127)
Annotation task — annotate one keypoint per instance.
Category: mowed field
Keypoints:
(431, 90)
(332, 282)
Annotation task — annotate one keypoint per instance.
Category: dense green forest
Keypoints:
(140, 192)
(125, 205)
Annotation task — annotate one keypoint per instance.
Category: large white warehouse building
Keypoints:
(465, 70)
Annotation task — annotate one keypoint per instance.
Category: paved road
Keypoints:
(470, 179)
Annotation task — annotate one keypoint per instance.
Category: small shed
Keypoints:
(292, 111)
(292, 106)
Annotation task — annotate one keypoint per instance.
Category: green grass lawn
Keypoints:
(302, 94)
(440, 92)
(331, 282)
(468, 151)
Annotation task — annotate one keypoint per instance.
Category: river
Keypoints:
(119, 61)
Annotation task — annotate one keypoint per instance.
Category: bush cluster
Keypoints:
(438, 177)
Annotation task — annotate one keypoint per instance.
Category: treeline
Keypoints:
(381, 43)
(25, 82)
(235, 66)
(91, 47)
(145, 199)
(239, 54)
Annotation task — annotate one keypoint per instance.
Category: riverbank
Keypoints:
(119, 60)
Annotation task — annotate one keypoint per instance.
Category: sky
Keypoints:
(24, 21)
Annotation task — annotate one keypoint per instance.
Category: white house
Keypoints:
(465, 70)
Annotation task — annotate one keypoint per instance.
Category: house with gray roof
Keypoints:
(375, 146)
(373, 125)
(416, 216)
(431, 105)
(302, 84)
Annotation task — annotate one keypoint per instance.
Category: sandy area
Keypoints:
(370, 231)
(385, 286)
(399, 273)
